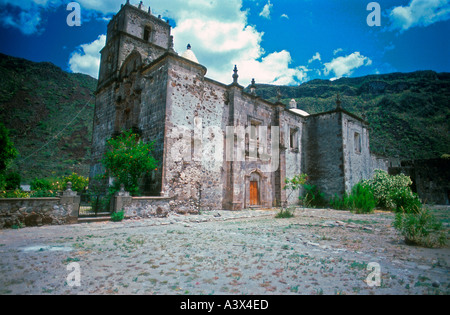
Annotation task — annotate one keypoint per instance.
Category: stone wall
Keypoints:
(39, 211)
(431, 179)
(357, 158)
(148, 207)
(323, 156)
(291, 125)
(194, 127)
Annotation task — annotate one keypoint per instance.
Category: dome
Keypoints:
(293, 108)
(189, 54)
(299, 111)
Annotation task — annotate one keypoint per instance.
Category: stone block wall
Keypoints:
(357, 157)
(323, 156)
(194, 129)
(292, 125)
(39, 211)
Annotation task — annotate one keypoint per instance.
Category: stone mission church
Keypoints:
(218, 146)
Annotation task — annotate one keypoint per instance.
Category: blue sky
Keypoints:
(278, 41)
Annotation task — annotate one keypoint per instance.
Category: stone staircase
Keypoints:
(100, 217)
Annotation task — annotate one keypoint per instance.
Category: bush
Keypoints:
(420, 228)
(340, 203)
(284, 214)
(12, 181)
(41, 184)
(313, 197)
(405, 201)
(117, 216)
(79, 183)
(44, 193)
(14, 194)
(7, 150)
(361, 200)
(385, 187)
(2, 182)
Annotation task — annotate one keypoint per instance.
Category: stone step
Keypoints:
(100, 218)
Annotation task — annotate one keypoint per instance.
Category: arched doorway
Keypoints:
(255, 189)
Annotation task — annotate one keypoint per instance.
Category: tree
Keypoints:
(128, 159)
(7, 150)
(292, 184)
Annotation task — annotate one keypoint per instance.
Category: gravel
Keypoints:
(221, 252)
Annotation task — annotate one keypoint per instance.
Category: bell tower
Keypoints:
(133, 29)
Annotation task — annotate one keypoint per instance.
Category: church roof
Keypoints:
(293, 108)
(299, 111)
(189, 54)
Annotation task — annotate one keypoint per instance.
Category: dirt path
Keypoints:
(219, 252)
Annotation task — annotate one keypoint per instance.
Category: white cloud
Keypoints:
(337, 51)
(86, 59)
(266, 10)
(419, 13)
(273, 69)
(221, 38)
(27, 22)
(344, 66)
(315, 57)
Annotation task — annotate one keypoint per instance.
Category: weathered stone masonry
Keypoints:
(40, 211)
(218, 146)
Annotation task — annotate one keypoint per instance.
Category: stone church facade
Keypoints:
(219, 147)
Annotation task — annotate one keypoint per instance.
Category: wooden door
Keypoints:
(254, 194)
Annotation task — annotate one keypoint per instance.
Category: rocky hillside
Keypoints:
(409, 113)
(49, 113)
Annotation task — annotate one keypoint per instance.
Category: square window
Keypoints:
(293, 139)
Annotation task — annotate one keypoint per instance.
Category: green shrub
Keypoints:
(14, 194)
(8, 151)
(117, 216)
(41, 184)
(340, 203)
(2, 182)
(79, 183)
(361, 200)
(284, 214)
(406, 201)
(420, 228)
(385, 187)
(313, 197)
(44, 193)
(12, 181)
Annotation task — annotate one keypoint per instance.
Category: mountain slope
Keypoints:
(409, 113)
(46, 112)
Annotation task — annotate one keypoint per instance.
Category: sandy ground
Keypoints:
(249, 252)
